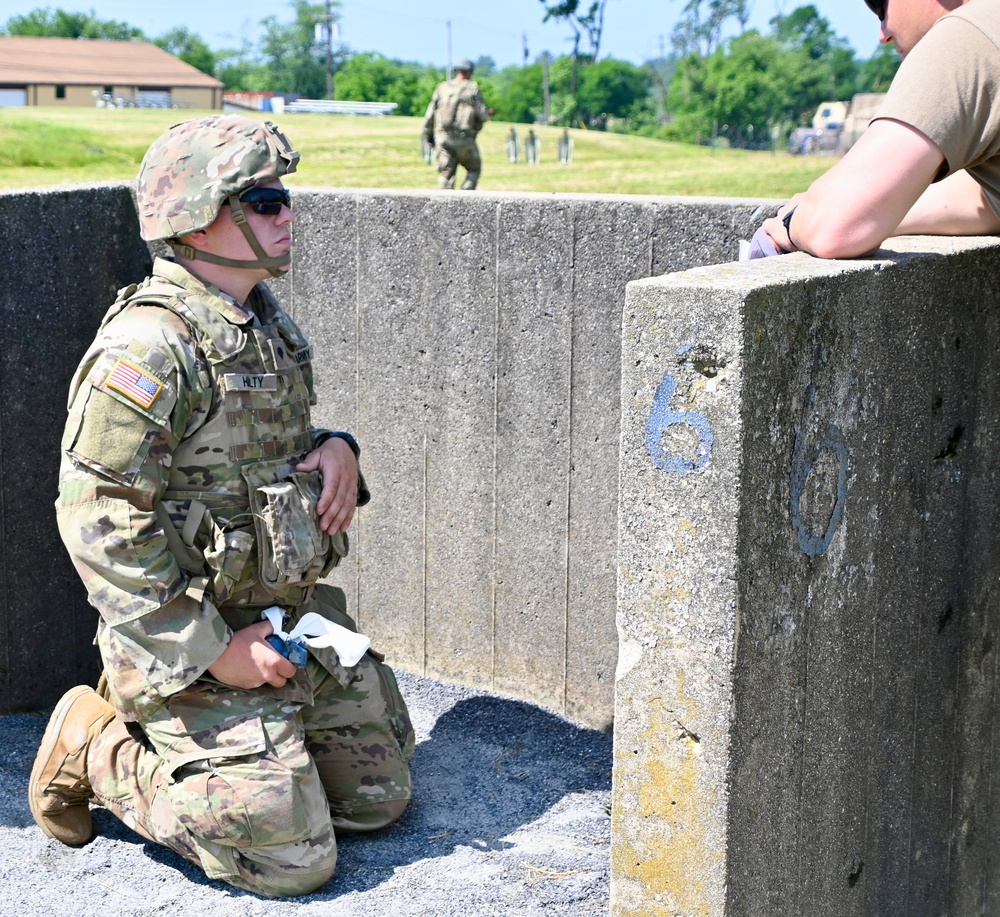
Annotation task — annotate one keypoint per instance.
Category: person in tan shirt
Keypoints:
(929, 163)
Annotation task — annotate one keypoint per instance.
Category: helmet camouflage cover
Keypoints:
(191, 170)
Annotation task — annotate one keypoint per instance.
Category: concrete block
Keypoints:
(614, 242)
(691, 232)
(392, 375)
(426, 289)
(324, 304)
(534, 363)
(458, 340)
(58, 284)
(802, 723)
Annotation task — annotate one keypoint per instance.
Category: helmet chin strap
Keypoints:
(272, 265)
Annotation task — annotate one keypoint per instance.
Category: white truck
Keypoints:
(825, 131)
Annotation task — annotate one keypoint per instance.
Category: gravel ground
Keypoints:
(509, 816)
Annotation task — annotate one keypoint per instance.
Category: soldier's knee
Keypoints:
(370, 817)
(277, 870)
(286, 870)
(290, 880)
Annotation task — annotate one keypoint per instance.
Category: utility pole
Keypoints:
(524, 44)
(662, 114)
(447, 24)
(327, 21)
(545, 83)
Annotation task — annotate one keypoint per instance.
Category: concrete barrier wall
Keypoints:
(472, 342)
(64, 253)
(808, 589)
(791, 466)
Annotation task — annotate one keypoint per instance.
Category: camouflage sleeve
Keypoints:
(138, 391)
(482, 112)
(428, 129)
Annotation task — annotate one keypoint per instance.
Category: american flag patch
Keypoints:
(134, 384)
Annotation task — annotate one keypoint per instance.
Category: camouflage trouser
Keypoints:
(252, 787)
(454, 150)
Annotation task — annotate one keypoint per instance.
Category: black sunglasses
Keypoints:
(268, 201)
(878, 7)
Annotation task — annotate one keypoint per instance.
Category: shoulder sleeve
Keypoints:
(431, 106)
(945, 88)
(137, 391)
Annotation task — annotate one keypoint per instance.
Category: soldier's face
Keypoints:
(274, 233)
(907, 21)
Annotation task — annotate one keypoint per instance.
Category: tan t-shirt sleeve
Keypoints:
(947, 88)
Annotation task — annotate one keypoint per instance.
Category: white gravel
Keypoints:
(510, 816)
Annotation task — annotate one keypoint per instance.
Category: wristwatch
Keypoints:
(786, 221)
(350, 440)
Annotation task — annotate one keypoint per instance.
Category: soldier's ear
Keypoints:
(197, 239)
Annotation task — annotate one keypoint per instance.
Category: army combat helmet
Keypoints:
(197, 166)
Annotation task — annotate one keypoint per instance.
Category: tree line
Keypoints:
(752, 88)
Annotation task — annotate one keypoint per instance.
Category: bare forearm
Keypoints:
(955, 206)
(862, 200)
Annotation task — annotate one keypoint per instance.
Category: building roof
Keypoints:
(94, 62)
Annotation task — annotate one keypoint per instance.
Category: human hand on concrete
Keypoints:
(761, 246)
(249, 661)
(336, 462)
(777, 232)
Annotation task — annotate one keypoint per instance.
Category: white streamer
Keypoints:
(316, 631)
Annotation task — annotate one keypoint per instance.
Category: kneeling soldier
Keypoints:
(194, 494)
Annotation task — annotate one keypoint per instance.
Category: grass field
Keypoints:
(42, 147)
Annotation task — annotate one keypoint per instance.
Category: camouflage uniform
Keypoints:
(455, 116)
(181, 507)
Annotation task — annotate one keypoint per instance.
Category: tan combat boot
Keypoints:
(59, 791)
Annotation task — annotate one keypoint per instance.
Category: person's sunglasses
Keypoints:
(268, 201)
(878, 7)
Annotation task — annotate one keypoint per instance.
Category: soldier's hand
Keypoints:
(250, 661)
(335, 461)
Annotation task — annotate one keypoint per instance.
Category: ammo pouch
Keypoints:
(292, 550)
(216, 556)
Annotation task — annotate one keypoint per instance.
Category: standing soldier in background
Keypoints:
(455, 116)
(195, 496)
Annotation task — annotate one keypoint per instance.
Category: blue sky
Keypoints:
(414, 30)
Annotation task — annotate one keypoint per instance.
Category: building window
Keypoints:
(60, 92)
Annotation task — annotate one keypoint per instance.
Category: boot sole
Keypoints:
(47, 747)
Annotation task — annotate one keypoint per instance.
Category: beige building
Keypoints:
(91, 72)
(864, 107)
